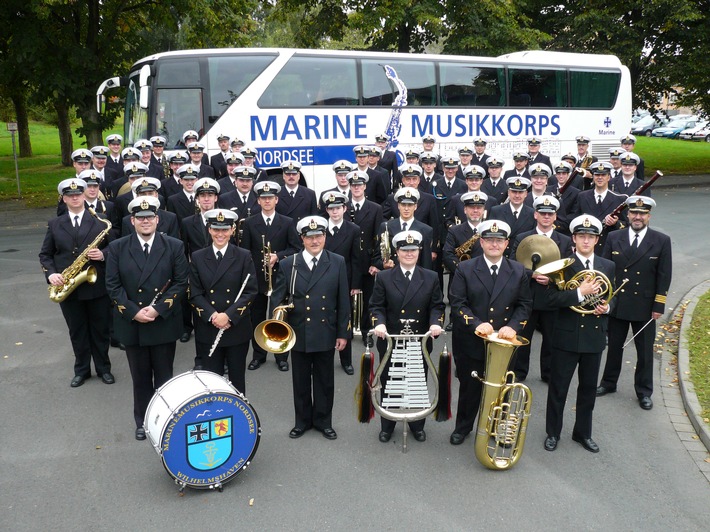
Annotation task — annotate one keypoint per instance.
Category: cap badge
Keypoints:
(546, 202)
(518, 182)
(639, 202)
(331, 198)
(476, 197)
(145, 205)
(290, 166)
(313, 224)
(220, 216)
(145, 183)
(265, 188)
(410, 239)
(408, 194)
(587, 223)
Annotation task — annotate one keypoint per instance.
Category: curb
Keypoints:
(687, 390)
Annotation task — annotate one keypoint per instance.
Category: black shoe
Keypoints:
(255, 364)
(519, 377)
(449, 327)
(603, 390)
(456, 438)
(115, 343)
(329, 434)
(348, 368)
(296, 432)
(419, 435)
(140, 434)
(122, 347)
(587, 443)
(551, 443)
(385, 436)
(646, 403)
(283, 365)
(185, 337)
(545, 378)
(198, 367)
(78, 381)
(107, 378)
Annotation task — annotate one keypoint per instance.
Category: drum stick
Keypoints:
(639, 332)
(221, 331)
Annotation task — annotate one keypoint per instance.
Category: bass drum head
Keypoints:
(212, 437)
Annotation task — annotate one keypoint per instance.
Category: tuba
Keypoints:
(75, 274)
(505, 406)
(605, 292)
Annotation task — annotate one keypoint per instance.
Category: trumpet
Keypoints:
(268, 268)
(357, 312)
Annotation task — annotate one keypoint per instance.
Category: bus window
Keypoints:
(229, 76)
(537, 88)
(465, 85)
(418, 76)
(307, 81)
(136, 117)
(178, 110)
(178, 72)
(594, 90)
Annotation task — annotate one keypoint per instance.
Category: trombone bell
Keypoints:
(275, 335)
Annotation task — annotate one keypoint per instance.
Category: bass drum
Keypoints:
(204, 429)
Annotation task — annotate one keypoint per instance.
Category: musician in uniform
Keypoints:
(627, 183)
(615, 161)
(569, 206)
(542, 317)
(249, 155)
(628, 143)
(388, 161)
(81, 160)
(196, 151)
(520, 166)
(168, 223)
(375, 189)
(601, 202)
(407, 293)
(488, 293)
(217, 274)
(539, 175)
(519, 217)
(643, 255)
(295, 201)
(146, 277)
(445, 191)
(99, 156)
(182, 203)
(426, 211)
(195, 229)
(219, 160)
(465, 156)
(118, 183)
(158, 160)
(343, 238)
(428, 143)
(125, 194)
(315, 281)
(269, 229)
(430, 174)
(228, 182)
(114, 163)
(242, 199)
(473, 176)
(407, 199)
(480, 157)
(534, 155)
(474, 205)
(578, 339)
(578, 177)
(367, 215)
(495, 186)
(584, 160)
(171, 184)
(87, 309)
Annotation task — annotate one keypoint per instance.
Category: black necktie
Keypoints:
(404, 226)
(408, 275)
(448, 184)
(315, 263)
(494, 273)
(357, 207)
(515, 213)
(335, 231)
(76, 221)
(146, 250)
(292, 193)
(192, 199)
(635, 244)
(219, 256)
(588, 265)
(475, 231)
(268, 222)
(599, 199)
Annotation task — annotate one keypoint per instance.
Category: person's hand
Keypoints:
(340, 344)
(220, 320)
(95, 254)
(506, 333)
(381, 331)
(484, 329)
(435, 330)
(56, 279)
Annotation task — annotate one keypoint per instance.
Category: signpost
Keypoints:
(12, 128)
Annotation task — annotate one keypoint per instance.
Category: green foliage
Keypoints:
(699, 349)
(672, 156)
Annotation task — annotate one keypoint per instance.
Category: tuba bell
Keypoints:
(275, 335)
(505, 406)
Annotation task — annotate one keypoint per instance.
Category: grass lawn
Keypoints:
(699, 347)
(40, 174)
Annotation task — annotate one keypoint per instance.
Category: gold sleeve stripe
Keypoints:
(660, 299)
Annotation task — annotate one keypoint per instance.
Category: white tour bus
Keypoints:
(316, 105)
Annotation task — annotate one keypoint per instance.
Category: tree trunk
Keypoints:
(404, 35)
(90, 125)
(19, 100)
(64, 125)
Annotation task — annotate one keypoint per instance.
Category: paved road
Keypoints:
(69, 461)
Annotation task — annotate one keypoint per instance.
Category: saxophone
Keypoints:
(385, 250)
(75, 274)
(463, 252)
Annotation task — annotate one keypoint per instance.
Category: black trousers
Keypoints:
(151, 367)
(234, 355)
(258, 314)
(643, 376)
(469, 392)
(313, 388)
(388, 425)
(546, 319)
(561, 371)
(88, 321)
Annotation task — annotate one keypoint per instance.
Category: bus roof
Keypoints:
(536, 57)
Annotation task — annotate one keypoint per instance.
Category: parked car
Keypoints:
(702, 134)
(687, 134)
(646, 124)
(675, 126)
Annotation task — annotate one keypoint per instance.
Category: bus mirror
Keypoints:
(144, 88)
(110, 83)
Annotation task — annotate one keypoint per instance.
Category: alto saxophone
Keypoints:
(385, 249)
(463, 252)
(268, 268)
(75, 274)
